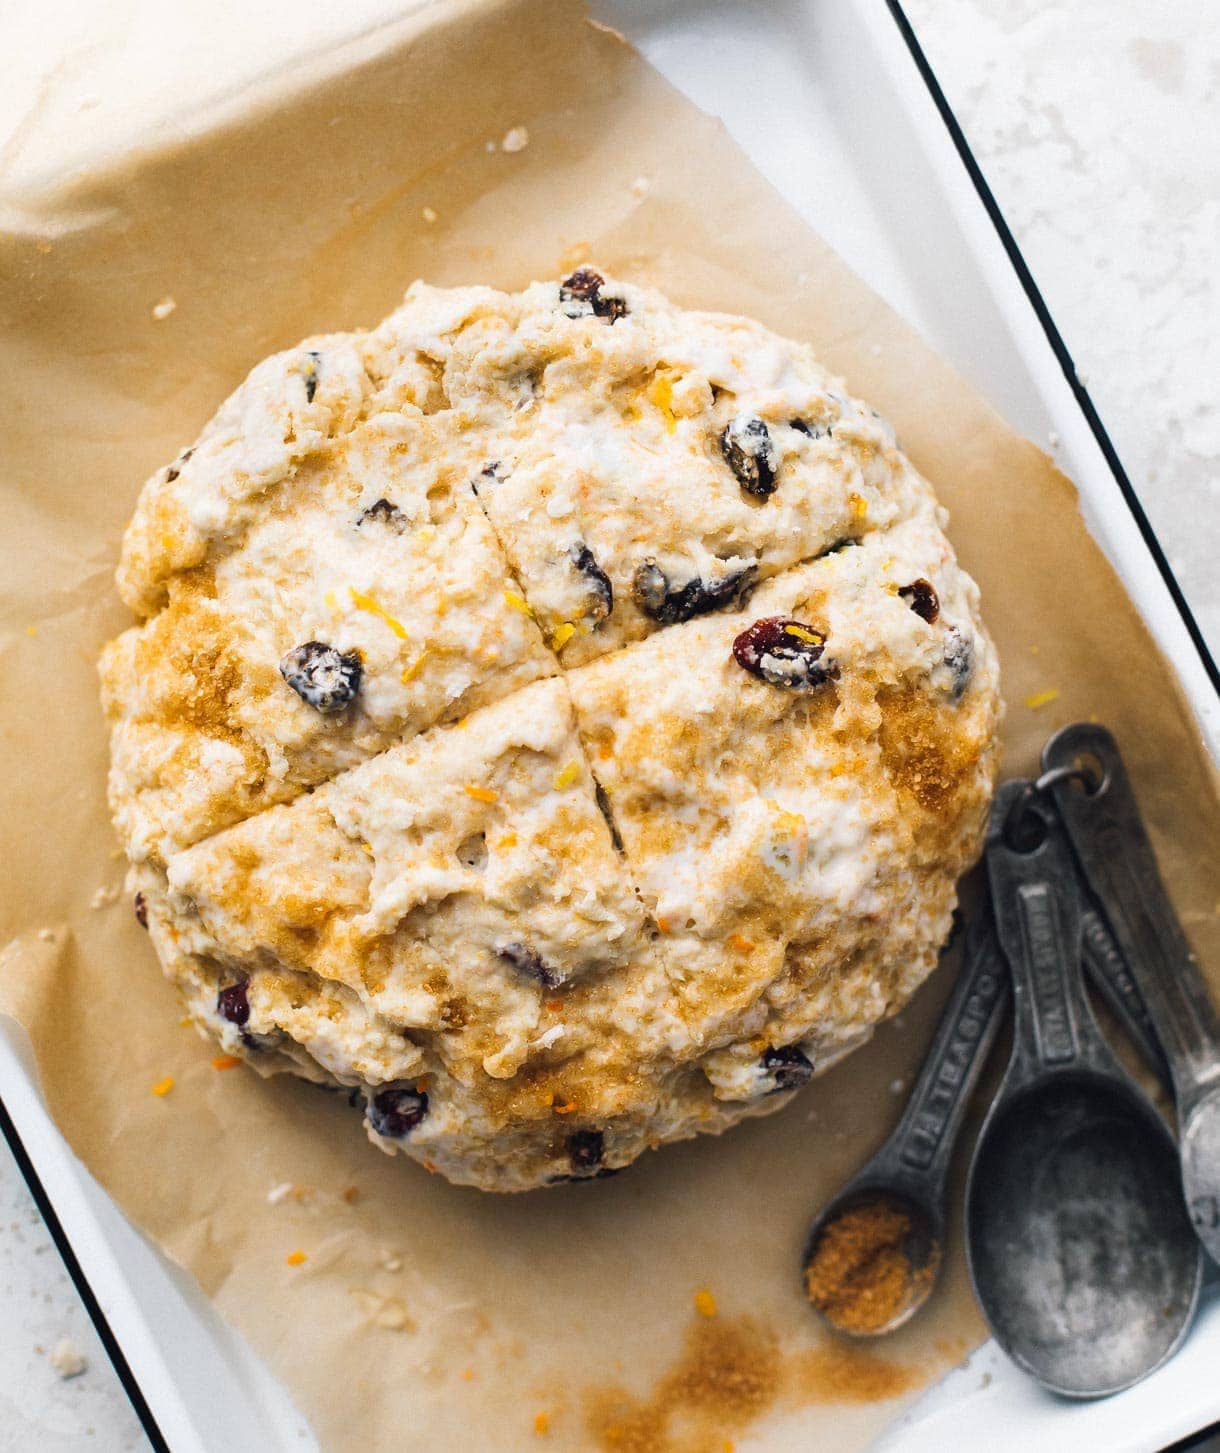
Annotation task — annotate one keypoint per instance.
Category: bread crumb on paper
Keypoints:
(67, 1359)
(516, 140)
(164, 308)
(429, 214)
(278, 1194)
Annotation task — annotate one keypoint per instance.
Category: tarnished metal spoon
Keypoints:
(1095, 800)
(905, 1181)
(1079, 1244)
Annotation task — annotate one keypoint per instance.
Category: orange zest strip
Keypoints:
(296, 1258)
(1042, 698)
(225, 1062)
(163, 1087)
(366, 602)
(481, 794)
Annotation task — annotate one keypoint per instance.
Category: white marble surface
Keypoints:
(1095, 122)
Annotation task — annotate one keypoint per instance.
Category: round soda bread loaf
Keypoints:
(558, 716)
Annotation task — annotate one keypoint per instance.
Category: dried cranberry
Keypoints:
(750, 452)
(310, 377)
(321, 676)
(921, 596)
(526, 961)
(141, 908)
(959, 658)
(384, 512)
(788, 1068)
(784, 652)
(661, 601)
(396, 1112)
(598, 1175)
(582, 292)
(262, 1042)
(489, 472)
(233, 1003)
(586, 1149)
(174, 471)
(601, 591)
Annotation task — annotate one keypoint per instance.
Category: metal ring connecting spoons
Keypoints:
(874, 1253)
(1079, 1243)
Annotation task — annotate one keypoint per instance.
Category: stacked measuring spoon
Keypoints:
(1085, 1220)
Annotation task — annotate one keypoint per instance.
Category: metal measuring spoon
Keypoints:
(906, 1178)
(1098, 807)
(1079, 1244)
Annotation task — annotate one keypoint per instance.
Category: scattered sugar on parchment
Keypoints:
(164, 308)
(388, 1312)
(104, 897)
(67, 1359)
(897, 1087)
(390, 1262)
(429, 214)
(641, 186)
(280, 1193)
(516, 140)
(47, 935)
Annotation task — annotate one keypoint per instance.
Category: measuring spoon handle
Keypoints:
(1110, 976)
(1037, 915)
(921, 1146)
(1112, 847)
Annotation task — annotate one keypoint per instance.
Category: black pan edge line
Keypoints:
(1055, 339)
(81, 1282)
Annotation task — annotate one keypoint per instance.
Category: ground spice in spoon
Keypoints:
(860, 1275)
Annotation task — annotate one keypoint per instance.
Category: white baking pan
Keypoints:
(835, 104)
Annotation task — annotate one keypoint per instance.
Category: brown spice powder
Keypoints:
(860, 1275)
(731, 1373)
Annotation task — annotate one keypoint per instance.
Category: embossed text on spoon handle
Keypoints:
(1109, 974)
(1116, 858)
(922, 1143)
(1037, 914)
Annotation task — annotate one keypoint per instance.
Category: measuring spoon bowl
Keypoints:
(1083, 1257)
(874, 1253)
(1078, 1239)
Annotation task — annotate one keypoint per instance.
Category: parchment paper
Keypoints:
(425, 1317)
